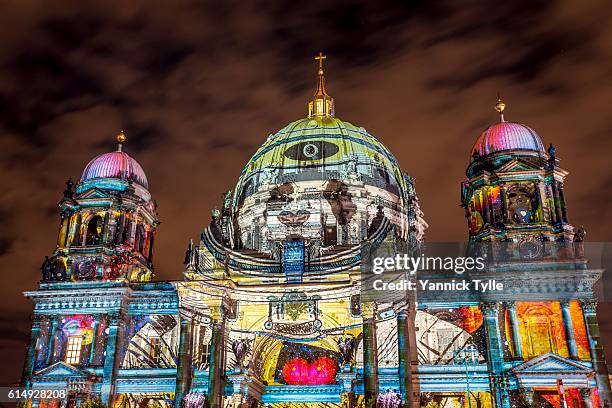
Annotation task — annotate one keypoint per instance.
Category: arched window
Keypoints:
(520, 205)
(95, 227)
(139, 240)
(540, 330)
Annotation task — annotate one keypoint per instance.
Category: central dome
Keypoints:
(320, 181)
(320, 148)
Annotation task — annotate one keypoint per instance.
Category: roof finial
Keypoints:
(121, 138)
(500, 107)
(320, 75)
(323, 104)
(320, 58)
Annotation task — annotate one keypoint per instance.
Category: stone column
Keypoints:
(216, 366)
(111, 360)
(484, 195)
(405, 330)
(589, 309)
(106, 228)
(553, 213)
(541, 194)
(495, 355)
(51, 342)
(404, 366)
(370, 360)
(562, 203)
(92, 347)
(183, 366)
(557, 200)
(585, 394)
(568, 326)
(30, 360)
(516, 333)
(504, 203)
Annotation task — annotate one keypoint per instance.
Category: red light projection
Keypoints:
(298, 371)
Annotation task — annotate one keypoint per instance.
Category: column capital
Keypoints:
(368, 310)
(511, 305)
(36, 320)
(585, 392)
(490, 308)
(589, 307)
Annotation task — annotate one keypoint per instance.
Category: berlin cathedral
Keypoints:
(269, 311)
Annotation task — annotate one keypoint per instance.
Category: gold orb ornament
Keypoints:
(121, 137)
(500, 106)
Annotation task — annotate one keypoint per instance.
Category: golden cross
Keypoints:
(320, 58)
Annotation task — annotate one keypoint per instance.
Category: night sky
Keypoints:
(199, 86)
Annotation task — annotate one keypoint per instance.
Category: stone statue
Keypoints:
(240, 348)
(580, 234)
(346, 345)
(552, 156)
(68, 193)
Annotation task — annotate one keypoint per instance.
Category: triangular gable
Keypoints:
(550, 362)
(516, 165)
(94, 193)
(61, 369)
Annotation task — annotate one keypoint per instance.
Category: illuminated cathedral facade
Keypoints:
(269, 311)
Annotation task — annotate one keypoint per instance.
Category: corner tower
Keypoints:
(514, 188)
(107, 225)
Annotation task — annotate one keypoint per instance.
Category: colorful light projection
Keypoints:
(79, 325)
(470, 318)
(542, 330)
(298, 371)
(300, 364)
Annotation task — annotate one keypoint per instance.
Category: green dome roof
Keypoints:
(321, 148)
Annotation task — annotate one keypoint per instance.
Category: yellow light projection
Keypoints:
(541, 328)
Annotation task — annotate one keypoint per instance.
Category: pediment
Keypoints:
(515, 165)
(550, 362)
(93, 193)
(61, 369)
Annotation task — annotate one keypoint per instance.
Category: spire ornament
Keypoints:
(500, 107)
(322, 104)
(121, 138)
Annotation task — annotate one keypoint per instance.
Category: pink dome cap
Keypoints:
(119, 165)
(507, 136)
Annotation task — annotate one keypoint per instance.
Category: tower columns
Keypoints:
(370, 360)
(562, 202)
(216, 366)
(495, 355)
(484, 196)
(589, 309)
(504, 203)
(183, 366)
(406, 329)
(557, 201)
(30, 361)
(516, 334)
(92, 347)
(568, 326)
(51, 341)
(111, 360)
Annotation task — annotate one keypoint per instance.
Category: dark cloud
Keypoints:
(198, 86)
